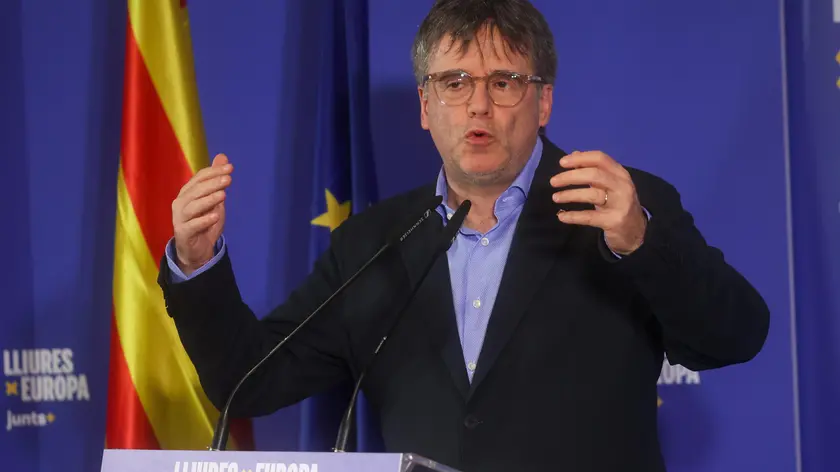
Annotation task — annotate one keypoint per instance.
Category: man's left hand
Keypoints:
(617, 208)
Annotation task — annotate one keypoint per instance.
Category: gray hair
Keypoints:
(523, 28)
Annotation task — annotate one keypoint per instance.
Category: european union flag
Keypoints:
(344, 180)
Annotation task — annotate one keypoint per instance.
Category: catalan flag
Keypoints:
(155, 400)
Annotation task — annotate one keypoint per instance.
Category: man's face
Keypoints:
(509, 133)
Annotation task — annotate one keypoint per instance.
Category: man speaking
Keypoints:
(536, 340)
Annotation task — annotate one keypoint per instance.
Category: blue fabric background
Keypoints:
(735, 103)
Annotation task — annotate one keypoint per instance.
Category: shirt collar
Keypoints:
(522, 183)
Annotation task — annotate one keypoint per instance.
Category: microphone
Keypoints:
(447, 237)
(220, 434)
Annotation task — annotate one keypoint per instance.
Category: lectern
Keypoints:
(125, 460)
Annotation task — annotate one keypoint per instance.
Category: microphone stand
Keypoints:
(220, 433)
(448, 237)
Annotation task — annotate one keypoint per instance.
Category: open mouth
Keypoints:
(478, 136)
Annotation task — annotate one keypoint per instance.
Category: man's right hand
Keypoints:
(198, 214)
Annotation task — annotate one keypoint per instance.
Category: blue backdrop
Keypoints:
(736, 103)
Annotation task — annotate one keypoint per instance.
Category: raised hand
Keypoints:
(611, 189)
(198, 214)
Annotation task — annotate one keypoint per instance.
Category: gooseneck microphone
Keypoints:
(397, 236)
(447, 237)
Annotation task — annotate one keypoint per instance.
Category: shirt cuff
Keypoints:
(176, 275)
(618, 256)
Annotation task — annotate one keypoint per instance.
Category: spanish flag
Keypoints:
(155, 400)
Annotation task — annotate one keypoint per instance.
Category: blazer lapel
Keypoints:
(538, 237)
(445, 326)
(434, 300)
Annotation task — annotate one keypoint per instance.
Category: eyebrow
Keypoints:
(452, 71)
(493, 71)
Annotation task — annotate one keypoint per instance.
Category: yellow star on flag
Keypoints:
(11, 388)
(50, 417)
(837, 58)
(658, 402)
(336, 212)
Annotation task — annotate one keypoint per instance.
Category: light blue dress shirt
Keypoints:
(477, 261)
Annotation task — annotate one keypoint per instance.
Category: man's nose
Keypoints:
(480, 102)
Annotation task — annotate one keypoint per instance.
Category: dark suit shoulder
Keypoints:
(655, 193)
(649, 180)
(375, 221)
(362, 234)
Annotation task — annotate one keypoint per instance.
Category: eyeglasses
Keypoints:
(506, 89)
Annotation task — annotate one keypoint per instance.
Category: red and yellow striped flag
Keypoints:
(155, 400)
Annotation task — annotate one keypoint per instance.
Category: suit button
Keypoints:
(471, 422)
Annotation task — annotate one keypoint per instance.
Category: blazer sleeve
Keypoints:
(224, 338)
(710, 315)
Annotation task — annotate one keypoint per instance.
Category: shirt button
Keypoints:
(471, 366)
(449, 216)
(476, 303)
(471, 422)
(485, 241)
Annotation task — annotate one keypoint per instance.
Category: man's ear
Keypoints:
(424, 107)
(546, 103)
